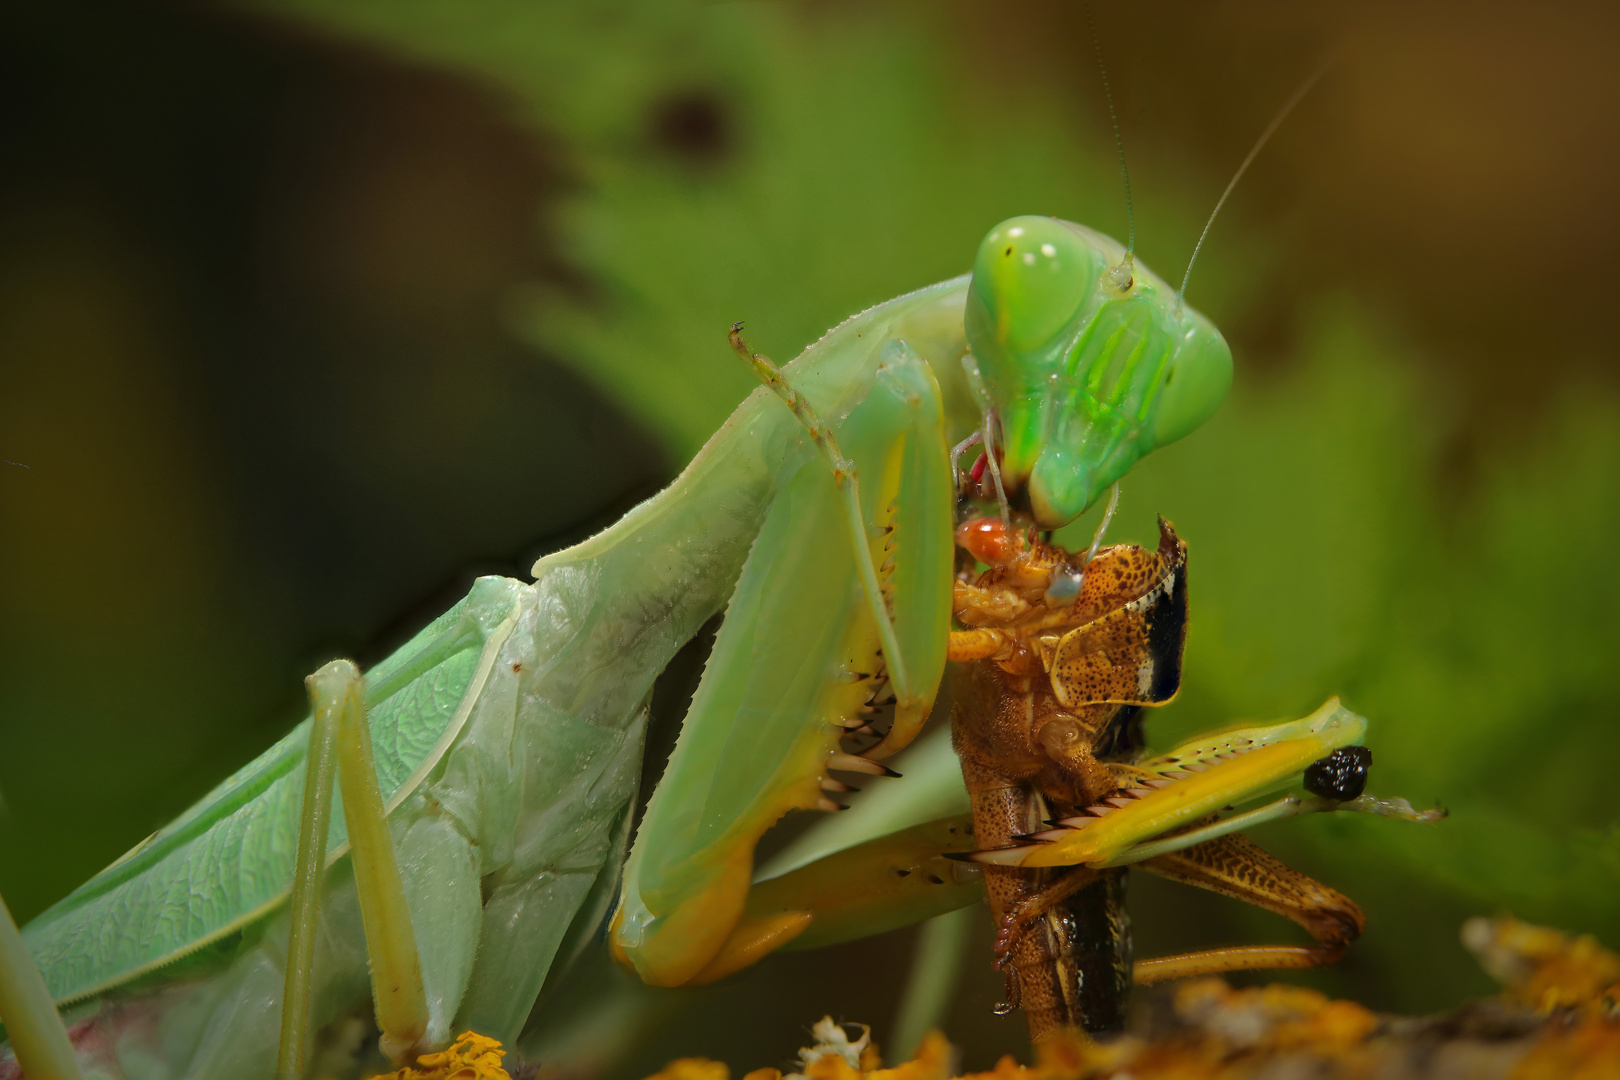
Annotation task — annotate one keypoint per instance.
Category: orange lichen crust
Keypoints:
(1215, 1032)
(933, 1062)
(1545, 969)
(471, 1057)
(1573, 981)
(1589, 1051)
(1236, 1029)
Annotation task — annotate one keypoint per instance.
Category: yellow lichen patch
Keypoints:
(1570, 979)
(1273, 1017)
(1064, 1056)
(1589, 1051)
(933, 1062)
(701, 1069)
(1545, 969)
(471, 1057)
(1215, 1032)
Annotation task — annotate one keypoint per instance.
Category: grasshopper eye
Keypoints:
(1064, 588)
(1341, 776)
(989, 540)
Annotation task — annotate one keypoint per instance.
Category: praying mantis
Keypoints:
(447, 828)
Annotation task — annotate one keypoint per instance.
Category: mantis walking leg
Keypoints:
(32, 1023)
(1234, 866)
(339, 735)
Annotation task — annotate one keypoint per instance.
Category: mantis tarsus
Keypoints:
(507, 735)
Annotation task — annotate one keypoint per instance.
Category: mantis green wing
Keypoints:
(227, 861)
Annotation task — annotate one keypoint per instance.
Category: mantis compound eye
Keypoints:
(1341, 776)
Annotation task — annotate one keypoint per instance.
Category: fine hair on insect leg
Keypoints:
(956, 457)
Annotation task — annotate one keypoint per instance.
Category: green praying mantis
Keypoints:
(446, 830)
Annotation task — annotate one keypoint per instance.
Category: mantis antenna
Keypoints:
(1265, 136)
(1119, 276)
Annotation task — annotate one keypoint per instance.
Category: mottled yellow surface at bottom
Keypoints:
(471, 1057)
(1559, 1019)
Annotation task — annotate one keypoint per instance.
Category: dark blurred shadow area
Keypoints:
(312, 310)
(259, 394)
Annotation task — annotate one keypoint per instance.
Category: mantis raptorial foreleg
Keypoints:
(847, 477)
(841, 580)
(340, 742)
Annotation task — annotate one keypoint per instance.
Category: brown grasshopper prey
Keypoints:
(1056, 655)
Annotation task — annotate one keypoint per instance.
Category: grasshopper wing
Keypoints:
(796, 660)
(1132, 654)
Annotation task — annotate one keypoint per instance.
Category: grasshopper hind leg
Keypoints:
(1063, 935)
(1070, 965)
(1235, 866)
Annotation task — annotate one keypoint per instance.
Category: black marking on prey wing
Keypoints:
(1166, 621)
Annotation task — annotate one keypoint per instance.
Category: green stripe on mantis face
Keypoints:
(1090, 363)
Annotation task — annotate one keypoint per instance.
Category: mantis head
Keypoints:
(1090, 360)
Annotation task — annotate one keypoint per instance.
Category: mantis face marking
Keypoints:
(1089, 369)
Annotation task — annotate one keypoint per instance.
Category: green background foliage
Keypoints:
(309, 310)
